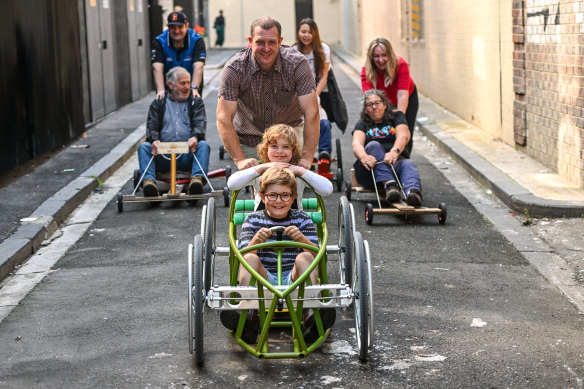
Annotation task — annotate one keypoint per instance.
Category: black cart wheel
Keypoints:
(339, 154)
(120, 201)
(345, 222)
(340, 174)
(339, 179)
(191, 284)
(442, 214)
(221, 152)
(369, 213)
(210, 230)
(361, 305)
(226, 196)
(136, 178)
(198, 301)
(227, 173)
(348, 189)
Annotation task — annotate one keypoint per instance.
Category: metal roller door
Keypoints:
(100, 53)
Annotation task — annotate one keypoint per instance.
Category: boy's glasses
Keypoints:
(274, 196)
(373, 104)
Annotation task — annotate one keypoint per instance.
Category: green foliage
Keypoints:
(528, 221)
(99, 182)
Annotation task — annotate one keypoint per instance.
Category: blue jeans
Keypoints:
(405, 168)
(325, 142)
(184, 163)
(286, 278)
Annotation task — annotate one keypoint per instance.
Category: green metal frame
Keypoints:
(301, 349)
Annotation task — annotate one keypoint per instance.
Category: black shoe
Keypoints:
(324, 155)
(414, 199)
(149, 188)
(310, 333)
(196, 185)
(230, 320)
(392, 193)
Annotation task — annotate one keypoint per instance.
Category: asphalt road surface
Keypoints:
(456, 305)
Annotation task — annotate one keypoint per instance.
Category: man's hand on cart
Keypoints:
(243, 164)
(154, 147)
(193, 143)
(305, 163)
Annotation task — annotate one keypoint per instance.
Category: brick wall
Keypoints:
(549, 83)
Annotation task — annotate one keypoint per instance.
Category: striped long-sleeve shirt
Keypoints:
(260, 219)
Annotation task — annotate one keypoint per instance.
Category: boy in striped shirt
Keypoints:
(278, 191)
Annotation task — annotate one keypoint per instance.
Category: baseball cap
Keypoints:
(177, 18)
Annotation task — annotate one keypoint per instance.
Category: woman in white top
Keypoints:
(318, 55)
(317, 52)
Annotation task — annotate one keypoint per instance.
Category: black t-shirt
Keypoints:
(384, 132)
(219, 21)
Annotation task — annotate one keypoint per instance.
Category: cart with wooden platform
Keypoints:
(177, 181)
(397, 208)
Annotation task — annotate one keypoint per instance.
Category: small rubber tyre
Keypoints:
(191, 321)
(345, 222)
(339, 179)
(198, 299)
(209, 244)
(227, 173)
(442, 214)
(339, 154)
(120, 201)
(136, 178)
(361, 303)
(371, 321)
(221, 152)
(226, 196)
(348, 189)
(369, 214)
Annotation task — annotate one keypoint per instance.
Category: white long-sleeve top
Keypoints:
(320, 184)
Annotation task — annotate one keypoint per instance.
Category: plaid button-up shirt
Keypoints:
(264, 99)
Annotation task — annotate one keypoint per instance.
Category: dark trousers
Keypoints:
(325, 141)
(411, 113)
(405, 168)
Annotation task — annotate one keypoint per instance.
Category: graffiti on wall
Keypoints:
(542, 24)
(543, 20)
(546, 14)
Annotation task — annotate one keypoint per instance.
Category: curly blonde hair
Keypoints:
(278, 176)
(276, 132)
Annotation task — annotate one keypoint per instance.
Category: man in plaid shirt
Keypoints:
(266, 84)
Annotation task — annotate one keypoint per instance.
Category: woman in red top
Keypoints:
(386, 71)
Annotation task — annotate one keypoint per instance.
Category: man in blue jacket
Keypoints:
(181, 46)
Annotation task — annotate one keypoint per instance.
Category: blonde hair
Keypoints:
(278, 176)
(390, 68)
(276, 132)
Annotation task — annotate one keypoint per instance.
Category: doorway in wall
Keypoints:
(303, 9)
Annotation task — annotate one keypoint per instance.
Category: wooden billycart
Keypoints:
(177, 181)
(397, 208)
